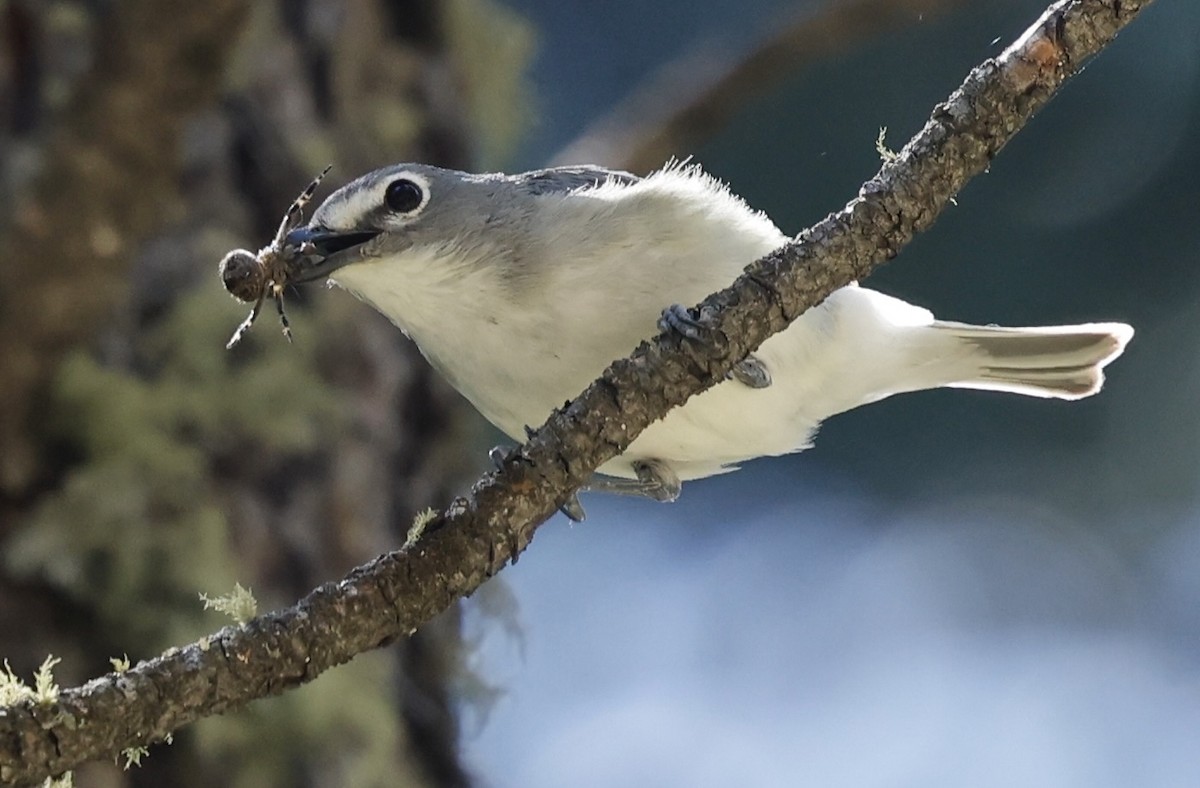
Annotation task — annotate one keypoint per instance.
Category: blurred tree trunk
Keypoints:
(141, 463)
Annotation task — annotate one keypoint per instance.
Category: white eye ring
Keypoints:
(406, 194)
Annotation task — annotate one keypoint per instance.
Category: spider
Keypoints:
(252, 277)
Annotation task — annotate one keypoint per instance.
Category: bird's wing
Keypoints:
(567, 179)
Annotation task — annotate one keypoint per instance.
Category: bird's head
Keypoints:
(390, 213)
(418, 242)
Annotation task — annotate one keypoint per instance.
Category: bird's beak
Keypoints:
(322, 251)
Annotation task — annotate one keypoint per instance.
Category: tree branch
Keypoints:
(477, 536)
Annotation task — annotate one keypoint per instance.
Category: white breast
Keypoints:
(609, 261)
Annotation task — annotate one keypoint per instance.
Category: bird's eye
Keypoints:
(403, 196)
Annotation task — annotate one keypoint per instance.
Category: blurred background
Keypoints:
(952, 588)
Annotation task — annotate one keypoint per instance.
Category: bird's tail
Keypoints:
(1065, 362)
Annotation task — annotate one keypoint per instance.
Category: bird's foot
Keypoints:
(654, 481)
(750, 371)
(497, 454)
(571, 507)
(678, 318)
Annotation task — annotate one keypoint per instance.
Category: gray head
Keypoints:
(427, 212)
(396, 209)
(436, 249)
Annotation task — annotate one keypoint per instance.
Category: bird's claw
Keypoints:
(751, 372)
(654, 480)
(678, 318)
(571, 507)
(497, 454)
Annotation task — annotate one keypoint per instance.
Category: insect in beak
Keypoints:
(251, 277)
(319, 250)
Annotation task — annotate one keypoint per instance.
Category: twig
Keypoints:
(477, 536)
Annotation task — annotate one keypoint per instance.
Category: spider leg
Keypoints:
(311, 189)
(292, 216)
(249, 321)
(277, 294)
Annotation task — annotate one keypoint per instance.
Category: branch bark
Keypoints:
(478, 535)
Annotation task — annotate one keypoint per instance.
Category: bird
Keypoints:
(521, 288)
